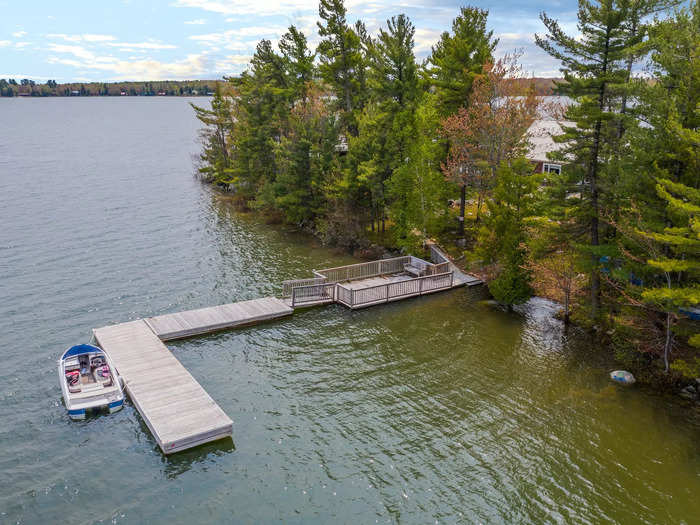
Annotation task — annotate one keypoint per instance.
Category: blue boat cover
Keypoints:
(80, 349)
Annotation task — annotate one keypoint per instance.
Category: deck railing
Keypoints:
(313, 293)
(353, 272)
(436, 256)
(288, 286)
(392, 291)
(436, 269)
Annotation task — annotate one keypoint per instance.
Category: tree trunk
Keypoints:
(478, 207)
(667, 346)
(462, 205)
(593, 181)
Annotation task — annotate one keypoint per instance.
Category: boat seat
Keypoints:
(103, 375)
(74, 387)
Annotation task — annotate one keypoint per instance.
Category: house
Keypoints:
(541, 143)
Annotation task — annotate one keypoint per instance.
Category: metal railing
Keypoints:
(326, 284)
(343, 294)
(436, 269)
(353, 272)
(436, 256)
(394, 290)
(288, 286)
(313, 293)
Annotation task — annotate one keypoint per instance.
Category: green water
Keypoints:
(440, 408)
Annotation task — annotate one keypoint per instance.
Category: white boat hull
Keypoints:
(96, 388)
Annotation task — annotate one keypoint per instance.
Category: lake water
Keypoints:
(438, 409)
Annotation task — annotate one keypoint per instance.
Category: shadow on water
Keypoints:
(181, 462)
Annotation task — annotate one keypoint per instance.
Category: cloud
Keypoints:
(245, 7)
(232, 63)
(238, 39)
(198, 22)
(82, 38)
(98, 38)
(77, 51)
(5, 43)
(67, 38)
(192, 66)
(425, 39)
(19, 34)
(126, 46)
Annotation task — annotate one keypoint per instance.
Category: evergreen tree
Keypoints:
(502, 239)
(340, 56)
(595, 74)
(262, 110)
(661, 182)
(215, 162)
(458, 58)
(678, 260)
(299, 63)
(306, 159)
(387, 122)
(417, 188)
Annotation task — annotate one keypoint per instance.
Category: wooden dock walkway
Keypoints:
(176, 409)
(206, 320)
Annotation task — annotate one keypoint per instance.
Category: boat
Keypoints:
(89, 381)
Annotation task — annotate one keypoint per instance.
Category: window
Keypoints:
(551, 168)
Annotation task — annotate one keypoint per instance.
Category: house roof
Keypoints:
(540, 139)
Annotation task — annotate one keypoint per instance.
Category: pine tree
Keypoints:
(306, 159)
(458, 58)
(340, 56)
(262, 111)
(215, 162)
(594, 67)
(298, 62)
(387, 122)
(662, 181)
(417, 188)
(502, 239)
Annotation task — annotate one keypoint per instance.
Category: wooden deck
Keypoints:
(176, 409)
(206, 320)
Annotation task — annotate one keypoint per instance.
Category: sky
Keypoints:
(112, 40)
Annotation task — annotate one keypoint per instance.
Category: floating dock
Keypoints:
(176, 409)
(206, 320)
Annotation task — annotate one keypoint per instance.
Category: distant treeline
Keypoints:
(29, 88)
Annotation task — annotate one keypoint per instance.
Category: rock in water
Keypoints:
(689, 392)
(622, 376)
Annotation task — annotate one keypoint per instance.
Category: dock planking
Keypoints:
(177, 410)
(212, 319)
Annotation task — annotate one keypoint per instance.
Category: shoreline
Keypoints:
(648, 376)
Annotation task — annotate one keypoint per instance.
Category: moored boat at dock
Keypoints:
(89, 381)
